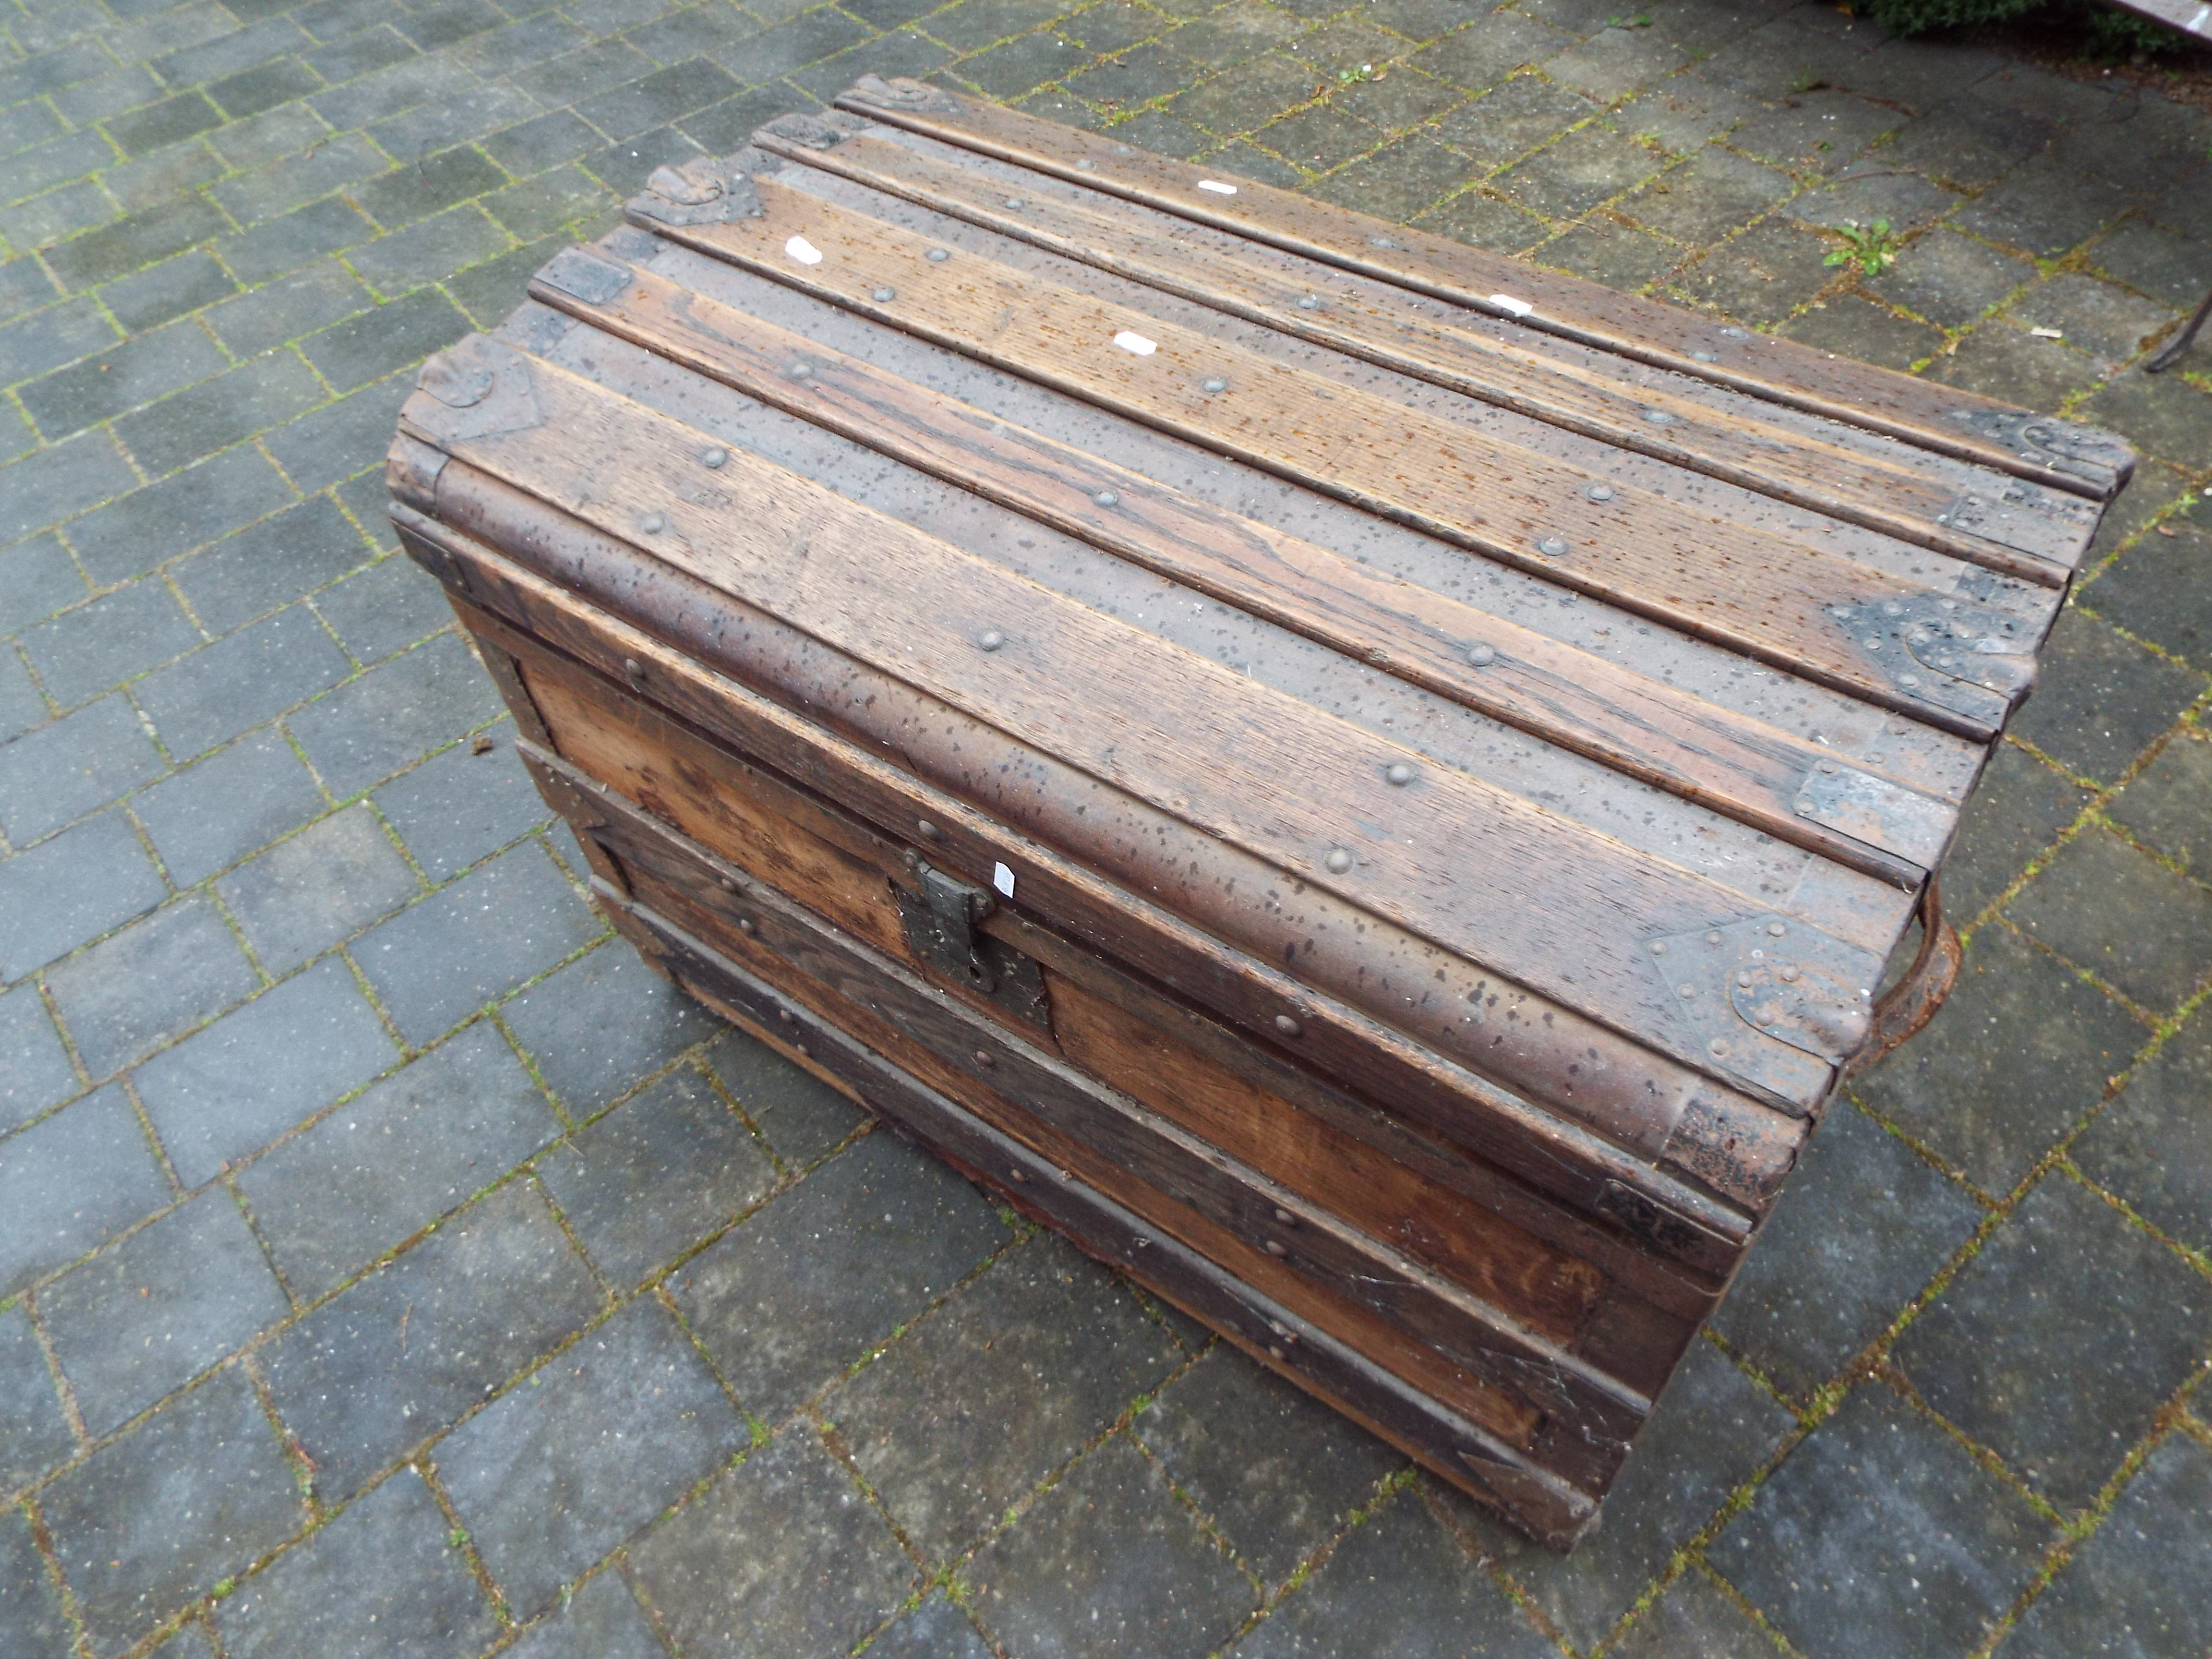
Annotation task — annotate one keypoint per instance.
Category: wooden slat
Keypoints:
(2085, 461)
(1886, 485)
(1556, 907)
(1423, 1071)
(1643, 728)
(1761, 593)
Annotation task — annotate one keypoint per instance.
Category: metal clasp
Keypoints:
(943, 926)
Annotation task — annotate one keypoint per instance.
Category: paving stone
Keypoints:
(241, 681)
(2160, 591)
(938, 1629)
(2142, 1582)
(396, 712)
(268, 564)
(601, 1621)
(2106, 907)
(2020, 1053)
(1274, 1471)
(122, 377)
(70, 1181)
(36, 578)
(339, 439)
(35, 1072)
(1509, 123)
(1401, 99)
(1110, 1562)
(655, 1175)
(605, 1020)
(1615, 62)
(400, 1356)
(48, 338)
(1881, 1533)
(366, 497)
(1848, 326)
(1950, 279)
(460, 806)
(134, 241)
(865, 1242)
(72, 766)
(2065, 1276)
(1761, 276)
(1399, 1583)
(1587, 166)
(511, 920)
(388, 607)
(1693, 1621)
(1319, 137)
(285, 310)
(380, 1578)
(72, 888)
(781, 1554)
(218, 412)
(1399, 181)
(193, 1496)
(412, 1148)
(297, 238)
(2159, 262)
(144, 527)
(2040, 209)
(1023, 66)
(1484, 222)
(490, 291)
(58, 482)
(554, 1473)
(2169, 807)
(1701, 202)
(169, 289)
(33, 1621)
(35, 1436)
(168, 122)
(150, 983)
(139, 1320)
(2101, 699)
(117, 636)
(226, 1091)
(996, 1390)
(2104, 320)
(23, 706)
(373, 344)
(552, 201)
(305, 894)
(802, 1117)
(2008, 363)
(50, 164)
(2016, 814)
(1607, 251)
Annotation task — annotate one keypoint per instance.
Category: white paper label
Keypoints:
(1135, 342)
(1216, 186)
(1507, 302)
(1003, 879)
(803, 251)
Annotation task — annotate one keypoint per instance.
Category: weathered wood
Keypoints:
(2062, 454)
(1641, 727)
(2026, 529)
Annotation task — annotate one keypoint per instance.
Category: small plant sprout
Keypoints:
(458, 1537)
(1642, 19)
(1349, 76)
(1873, 249)
(1809, 80)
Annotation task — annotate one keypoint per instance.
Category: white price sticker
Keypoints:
(803, 251)
(1216, 186)
(1135, 343)
(1003, 879)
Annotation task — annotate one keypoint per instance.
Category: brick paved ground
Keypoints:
(397, 1269)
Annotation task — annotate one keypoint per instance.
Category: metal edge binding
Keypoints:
(2087, 452)
(705, 190)
(903, 92)
(822, 131)
(1909, 1005)
(1916, 644)
(478, 388)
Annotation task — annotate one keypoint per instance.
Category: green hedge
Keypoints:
(2107, 31)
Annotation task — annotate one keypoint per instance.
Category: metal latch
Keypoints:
(940, 927)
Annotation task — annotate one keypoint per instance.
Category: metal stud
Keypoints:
(1107, 498)
(1285, 1216)
(1657, 416)
(1892, 608)
(1399, 774)
(712, 460)
(1805, 807)
(1829, 767)
(1481, 655)
(985, 1059)
(1552, 547)
(1788, 973)
(1744, 980)
(1871, 642)
(801, 370)
(1020, 1177)
(1016, 203)
(1658, 947)
(785, 1015)
(727, 883)
(1733, 334)
(1274, 1352)
(1213, 386)
(1776, 930)
(746, 927)
(1277, 1249)
(653, 523)
(1598, 492)
(937, 256)
(1288, 1026)
(633, 670)
(990, 639)
(883, 296)
(1718, 1047)
(1713, 938)
(1686, 991)
(1338, 860)
(925, 829)
(1909, 682)
(1309, 303)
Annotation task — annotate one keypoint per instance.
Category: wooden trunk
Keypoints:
(1370, 785)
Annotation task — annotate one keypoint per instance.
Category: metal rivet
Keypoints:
(1274, 1352)
(633, 669)
(1658, 947)
(804, 1053)
(1107, 498)
(1657, 416)
(1744, 980)
(785, 1015)
(1598, 492)
(1481, 655)
(1776, 930)
(1015, 202)
(1909, 682)
(747, 928)
(653, 523)
(1019, 1177)
(713, 458)
(1892, 608)
(800, 370)
(1213, 386)
(1685, 991)
(1552, 547)
(1288, 1026)
(985, 1058)
(883, 296)
(1704, 358)
(1713, 938)
(1828, 766)
(1338, 860)
(727, 883)
(1717, 1046)
(1399, 774)
(1787, 972)
(1309, 303)
(936, 255)
(990, 639)
(1805, 807)
(925, 829)
(1285, 1217)
(1276, 1247)
(1942, 518)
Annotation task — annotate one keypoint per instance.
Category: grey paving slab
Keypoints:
(598, 1025)
(116, 637)
(782, 1554)
(1693, 1619)
(395, 713)
(36, 578)
(143, 988)
(241, 680)
(193, 1496)
(138, 1321)
(72, 1180)
(2168, 807)
(401, 1355)
(324, 885)
(2103, 699)
(23, 706)
(145, 527)
(380, 1579)
(559, 1470)
(72, 766)
(801, 1116)
(2105, 906)
(266, 565)
(388, 606)
(655, 1175)
(601, 1621)
(214, 812)
(1881, 1530)
(1043, 1352)
(868, 1240)
(33, 1620)
(460, 806)
(1989, 1353)
(70, 889)
(2153, 1145)
(35, 1437)
(34, 1067)
(938, 1629)
(407, 1151)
